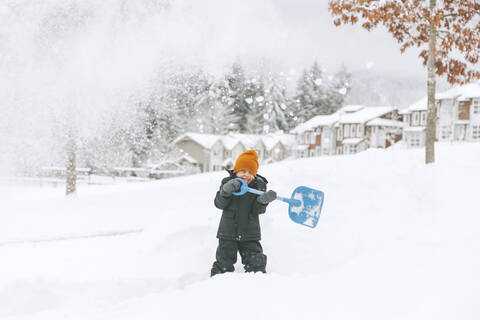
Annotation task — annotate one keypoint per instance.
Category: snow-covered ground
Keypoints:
(396, 240)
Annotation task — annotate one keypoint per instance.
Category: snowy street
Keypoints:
(396, 240)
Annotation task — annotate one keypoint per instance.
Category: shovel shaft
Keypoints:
(244, 189)
(293, 202)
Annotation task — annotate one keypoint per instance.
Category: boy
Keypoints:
(239, 228)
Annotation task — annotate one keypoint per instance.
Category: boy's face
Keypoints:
(245, 175)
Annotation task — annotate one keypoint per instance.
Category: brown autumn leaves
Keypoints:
(457, 25)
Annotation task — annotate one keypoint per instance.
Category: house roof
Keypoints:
(232, 139)
(187, 158)
(460, 93)
(465, 92)
(365, 114)
(385, 123)
(318, 121)
(353, 140)
(352, 108)
(205, 140)
(414, 129)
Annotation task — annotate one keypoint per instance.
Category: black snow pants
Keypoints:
(251, 253)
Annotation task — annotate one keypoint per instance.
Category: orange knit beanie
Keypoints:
(247, 161)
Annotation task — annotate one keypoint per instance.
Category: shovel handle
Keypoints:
(244, 189)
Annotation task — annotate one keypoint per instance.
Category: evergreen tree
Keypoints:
(214, 114)
(255, 98)
(338, 89)
(275, 105)
(311, 94)
(236, 83)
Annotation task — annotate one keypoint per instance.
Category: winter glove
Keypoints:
(229, 187)
(267, 197)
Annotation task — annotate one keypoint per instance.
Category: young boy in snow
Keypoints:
(239, 228)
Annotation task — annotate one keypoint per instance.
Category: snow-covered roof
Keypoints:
(465, 92)
(249, 141)
(352, 108)
(187, 158)
(414, 129)
(365, 114)
(420, 105)
(205, 140)
(460, 93)
(287, 139)
(353, 140)
(230, 141)
(318, 121)
(385, 123)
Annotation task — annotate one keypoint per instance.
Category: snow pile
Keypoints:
(396, 240)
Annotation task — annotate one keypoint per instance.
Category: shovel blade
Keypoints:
(308, 212)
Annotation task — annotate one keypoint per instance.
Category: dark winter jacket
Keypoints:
(240, 213)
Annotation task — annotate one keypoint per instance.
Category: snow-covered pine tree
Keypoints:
(274, 118)
(338, 89)
(311, 94)
(236, 84)
(214, 114)
(255, 98)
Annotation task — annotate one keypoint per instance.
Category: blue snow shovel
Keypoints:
(304, 206)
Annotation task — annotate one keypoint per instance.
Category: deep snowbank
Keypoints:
(396, 240)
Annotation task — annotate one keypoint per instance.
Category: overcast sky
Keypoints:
(292, 33)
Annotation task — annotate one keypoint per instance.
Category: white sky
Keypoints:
(291, 34)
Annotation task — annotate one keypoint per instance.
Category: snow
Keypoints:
(414, 129)
(318, 121)
(205, 140)
(352, 108)
(353, 140)
(464, 92)
(396, 240)
(420, 105)
(385, 123)
(365, 114)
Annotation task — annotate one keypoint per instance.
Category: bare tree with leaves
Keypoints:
(447, 31)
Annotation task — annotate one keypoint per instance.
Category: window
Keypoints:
(406, 118)
(350, 149)
(476, 106)
(347, 131)
(415, 117)
(352, 130)
(415, 139)
(374, 129)
(359, 130)
(476, 132)
(424, 118)
(312, 138)
(307, 137)
(339, 150)
(445, 132)
(339, 133)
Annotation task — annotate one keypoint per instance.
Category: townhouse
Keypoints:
(457, 116)
(214, 152)
(351, 129)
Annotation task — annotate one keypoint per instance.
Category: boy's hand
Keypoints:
(267, 197)
(231, 186)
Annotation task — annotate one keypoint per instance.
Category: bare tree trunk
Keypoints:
(71, 173)
(431, 84)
